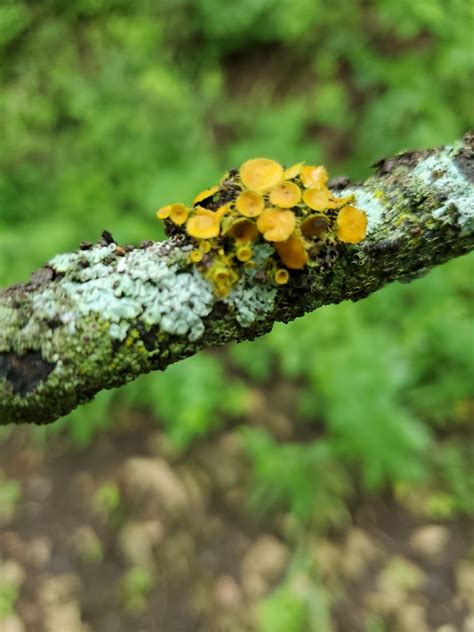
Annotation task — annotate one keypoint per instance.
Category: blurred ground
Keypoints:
(128, 535)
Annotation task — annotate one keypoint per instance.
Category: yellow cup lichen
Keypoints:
(314, 226)
(242, 230)
(281, 276)
(196, 256)
(204, 246)
(293, 211)
(207, 193)
(318, 200)
(285, 195)
(314, 177)
(244, 253)
(205, 224)
(293, 171)
(250, 204)
(178, 214)
(276, 225)
(260, 174)
(351, 225)
(164, 212)
(292, 252)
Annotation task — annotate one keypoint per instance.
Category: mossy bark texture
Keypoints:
(100, 317)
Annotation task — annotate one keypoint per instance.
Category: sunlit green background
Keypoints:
(111, 108)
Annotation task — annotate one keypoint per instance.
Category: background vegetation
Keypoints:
(110, 109)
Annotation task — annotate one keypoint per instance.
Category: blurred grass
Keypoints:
(109, 109)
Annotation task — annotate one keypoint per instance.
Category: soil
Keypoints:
(85, 518)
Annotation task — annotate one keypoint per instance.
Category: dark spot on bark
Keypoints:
(106, 238)
(24, 372)
(85, 245)
(41, 277)
(116, 345)
(38, 279)
(149, 337)
(171, 230)
(146, 243)
(385, 166)
(219, 311)
(339, 182)
(300, 279)
(382, 247)
(464, 159)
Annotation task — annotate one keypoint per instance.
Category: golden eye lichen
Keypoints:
(285, 195)
(276, 225)
(261, 174)
(314, 226)
(204, 246)
(314, 177)
(281, 276)
(205, 224)
(293, 171)
(178, 214)
(242, 230)
(207, 193)
(318, 200)
(244, 253)
(267, 221)
(250, 204)
(196, 256)
(164, 212)
(292, 252)
(351, 225)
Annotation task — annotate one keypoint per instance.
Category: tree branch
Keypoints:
(100, 317)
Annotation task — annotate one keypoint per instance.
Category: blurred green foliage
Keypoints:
(109, 109)
(10, 496)
(388, 382)
(285, 475)
(135, 586)
(299, 603)
(8, 597)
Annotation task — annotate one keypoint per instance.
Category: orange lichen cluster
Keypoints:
(294, 210)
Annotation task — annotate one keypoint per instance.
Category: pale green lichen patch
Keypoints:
(439, 173)
(80, 325)
(252, 301)
(63, 262)
(8, 325)
(253, 297)
(12, 324)
(142, 285)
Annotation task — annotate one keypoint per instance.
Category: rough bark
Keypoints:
(100, 317)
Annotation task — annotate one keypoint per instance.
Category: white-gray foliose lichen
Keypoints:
(140, 285)
(143, 285)
(253, 297)
(442, 176)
